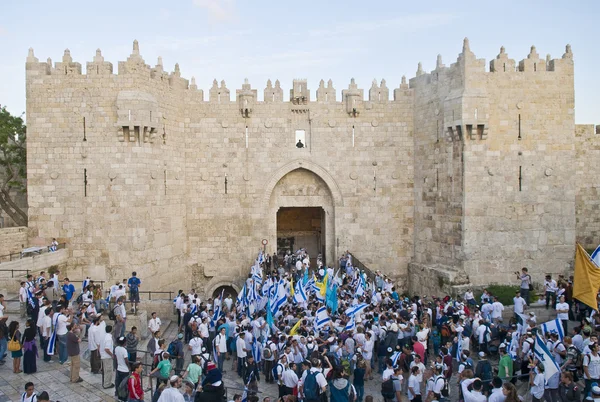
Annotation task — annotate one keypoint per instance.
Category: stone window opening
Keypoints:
(301, 139)
(246, 137)
(129, 114)
(353, 133)
(519, 137)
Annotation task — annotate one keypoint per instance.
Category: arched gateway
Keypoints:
(300, 203)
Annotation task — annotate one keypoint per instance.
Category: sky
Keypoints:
(233, 39)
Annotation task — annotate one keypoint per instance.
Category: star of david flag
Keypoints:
(322, 317)
(542, 353)
(351, 326)
(355, 309)
(553, 327)
(459, 348)
(299, 294)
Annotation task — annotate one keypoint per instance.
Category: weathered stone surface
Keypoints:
(155, 178)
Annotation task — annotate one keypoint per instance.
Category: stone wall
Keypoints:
(12, 240)
(587, 170)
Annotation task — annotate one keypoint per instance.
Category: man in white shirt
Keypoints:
(154, 323)
(106, 354)
(496, 395)
(221, 348)
(550, 289)
(23, 298)
(122, 358)
(121, 315)
(45, 326)
(537, 382)
(242, 352)
(562, 313)
(519, 304)
(61, 334)
(497, 309)
(475, 395)
(95, 335)
(195, 345)
(321, 381)
(172, 394)
(289, 379)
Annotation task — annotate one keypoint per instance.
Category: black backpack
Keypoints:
(387, 389)
(111, 314)
(79, 299)
(445, 391)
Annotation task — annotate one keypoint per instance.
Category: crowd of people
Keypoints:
(319, 333)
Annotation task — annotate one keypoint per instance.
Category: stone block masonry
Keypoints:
(464, 171)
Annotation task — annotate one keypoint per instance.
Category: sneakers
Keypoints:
(110, 386)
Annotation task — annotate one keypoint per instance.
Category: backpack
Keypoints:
(340, 395)
(446, 332)
(79, 299)
(445, 392)
(311, 387)
(387, 389)
(172, 349)
(123, 390)
(274, 371)
(486, 372)
(467, 330)
(267, 351)
(111, 314)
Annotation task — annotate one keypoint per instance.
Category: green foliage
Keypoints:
(13, 164)
(505, 293)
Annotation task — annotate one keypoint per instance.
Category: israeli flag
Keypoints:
(395, 358)
(351, 325)
(256, 351)
(52, 341)
(553, 327)
(322, 317)
(193, 308)
(350, 312)
(595, 257)
(30, 297)
(514, 345)
(459, 348)
(299, 295)
(545, 357)
(85, 284)
(360, 289)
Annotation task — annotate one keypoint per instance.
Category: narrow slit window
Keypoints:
(84, 133)
(129, 115)
(519, 126)
(352, 136)
(480, 128)
(520, 178)
(534, 66)
(246, 137)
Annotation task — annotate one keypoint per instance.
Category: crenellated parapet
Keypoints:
(379, 94)
(353, 98)
(246, 98)
(326, 94)
(219, 94)
(99, 66)
(273, 94)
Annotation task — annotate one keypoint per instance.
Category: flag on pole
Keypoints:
(256, 352)
(360, 289)
(300, 295)
(542, 353)
(351, 325)
(294, 329)
(514, 345)
(595, 257)
(459, 348)
(332, 299)
(553, 327)
(355, 309)
(322, 317)
(323, 286)
(52, 341)
(395, 358)
(587, 278)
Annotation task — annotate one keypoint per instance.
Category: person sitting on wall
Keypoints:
(299, 144)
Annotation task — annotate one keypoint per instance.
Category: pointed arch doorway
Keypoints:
(301, 210)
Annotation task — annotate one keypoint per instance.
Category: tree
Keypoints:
(13, 165)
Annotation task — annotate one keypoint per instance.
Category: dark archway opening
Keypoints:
(301, 227)
(227, 290)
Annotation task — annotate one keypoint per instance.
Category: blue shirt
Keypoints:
(133, 283)
(69, 290)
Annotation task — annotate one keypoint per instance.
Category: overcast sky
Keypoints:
(234, 39)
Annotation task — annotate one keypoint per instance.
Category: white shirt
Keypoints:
(562, 306)
(321, 381)
(171, 395)
(387, 374)
(497, 395)
(290, 379)
(46, 326)
(550, 286)
(519, 304)
(537, 389)
(25, 398)
(122, 356)
(413, 383)
(61, 325)
(471, 396)
(240, 345)
(221, 343)
(593, 364)
(121, 310)
(22, 294)
(106, 343)
(154, 324)
(497, 309)
(196, 345)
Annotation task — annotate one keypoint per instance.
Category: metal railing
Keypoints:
(357, 264)
(12, 272)
(19, 255)
(152, 295)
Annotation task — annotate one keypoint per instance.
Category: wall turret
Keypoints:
(99, 66)
(273, 94)
(353, 98)
(246, 98)
(299, 94)
(324, 94)
(379, 94)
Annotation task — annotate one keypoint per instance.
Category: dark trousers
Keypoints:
(565, 324)
(119, 377)
(44, 345)
(241, 361)
(550, 296)
(95, 362)
(269, 370)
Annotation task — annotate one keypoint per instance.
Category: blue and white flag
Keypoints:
(30, 298)
(84, 284)
(459, 348)
(299, 294)
(553, 327)
(52, 341)
(256, 351)
(395, 358)
(322, 317)
(542, 353)
(360, 289)
(280, 298)
(193, 308)
(245, 393)
(595, 257)
(514, 345)
(351, 325)
(355, 309)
